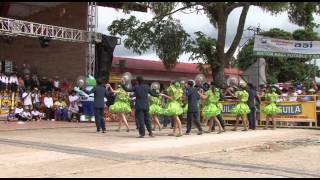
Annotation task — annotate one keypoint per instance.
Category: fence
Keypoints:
(302, 112)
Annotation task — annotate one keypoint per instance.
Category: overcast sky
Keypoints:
(200, 22)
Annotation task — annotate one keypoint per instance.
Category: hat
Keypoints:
(36, 89)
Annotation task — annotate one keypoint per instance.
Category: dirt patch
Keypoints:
(285, 145)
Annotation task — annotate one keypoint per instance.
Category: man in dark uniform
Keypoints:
(141, 92)
(100, 92)
(193, 111)
(252, 105)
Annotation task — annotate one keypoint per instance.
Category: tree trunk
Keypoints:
(222, 30)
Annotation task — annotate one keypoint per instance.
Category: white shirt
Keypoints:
(56, 84)
(26, 114)
(27, 101)
(18, 110)
(13, 80)
(35, 113)
(293, 97)
(48, 102)
(35, 97)
(4, 79)
(73, 98)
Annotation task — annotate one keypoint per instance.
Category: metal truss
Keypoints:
(13, 27)
(92, 24)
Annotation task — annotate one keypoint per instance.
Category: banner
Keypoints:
(266, 46)
(294, 111)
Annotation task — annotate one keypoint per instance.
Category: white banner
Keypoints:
(266, 46)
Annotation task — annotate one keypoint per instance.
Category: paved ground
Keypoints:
(77, 151)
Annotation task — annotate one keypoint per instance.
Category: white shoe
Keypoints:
(53, 120)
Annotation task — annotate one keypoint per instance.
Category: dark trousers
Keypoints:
(49, 113)
(143, 119)
(193, 116)
(220, 119)
(99, 120)
(252, 118)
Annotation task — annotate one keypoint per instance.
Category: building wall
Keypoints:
(65, 59)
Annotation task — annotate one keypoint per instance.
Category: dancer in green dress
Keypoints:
(211, 108)
(241, 109)
(174, 108)
(155, 109)
(121, 105)
(271, 108)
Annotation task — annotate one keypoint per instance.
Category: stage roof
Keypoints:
(24, 9)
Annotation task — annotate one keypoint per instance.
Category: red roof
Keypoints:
(142, 64)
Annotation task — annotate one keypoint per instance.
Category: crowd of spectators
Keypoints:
(39, 98)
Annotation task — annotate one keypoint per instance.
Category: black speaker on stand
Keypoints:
(104, 55)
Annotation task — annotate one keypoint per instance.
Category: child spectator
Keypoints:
(26, 115)
(48, 103)
(17, 111)
(11, 115)
(36, 115)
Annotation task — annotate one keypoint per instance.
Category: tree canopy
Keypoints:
(142, 36)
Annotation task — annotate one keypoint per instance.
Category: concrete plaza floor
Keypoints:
(77, 151)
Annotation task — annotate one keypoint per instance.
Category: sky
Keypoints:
(199, 22)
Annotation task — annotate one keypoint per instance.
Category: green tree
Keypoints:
(281, 69)
(141, 35)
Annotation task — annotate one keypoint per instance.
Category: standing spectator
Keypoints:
(35, 81)
(14, 83)
(4, 81)
(48, 103)
(27, 82)
(56, 83)
(2, 85)
(35, 95)
(26, 69)
(26, 98)
(65, 85)
(21, 86)
(292, 96)
(253, 98)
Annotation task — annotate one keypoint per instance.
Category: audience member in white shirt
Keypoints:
(13, 82)
(36, 115)
(25, 115)
(26, 98)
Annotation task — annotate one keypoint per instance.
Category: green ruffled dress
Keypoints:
(155, 106)
(271, 109)
(241, 108)
(122, 102)
(212, 106)
(174, 106)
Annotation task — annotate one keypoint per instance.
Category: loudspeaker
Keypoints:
(104, 55)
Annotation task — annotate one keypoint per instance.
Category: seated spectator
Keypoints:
(17, 111)
(284, 95)
(61, 112)
(292, 95)
(26, 115)
(36, 115)
(11, 115)
(73, 111)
